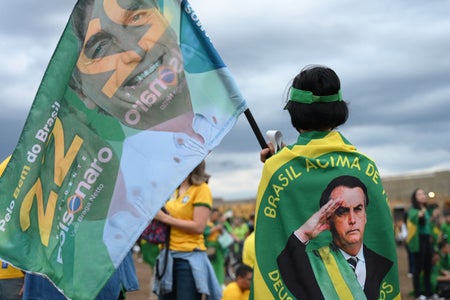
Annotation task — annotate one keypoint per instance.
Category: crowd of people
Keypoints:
(425, 235)
(212, 254)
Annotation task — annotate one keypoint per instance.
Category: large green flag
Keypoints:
(134, 97)
(291, 187)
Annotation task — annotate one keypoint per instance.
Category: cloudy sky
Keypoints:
(393, 58)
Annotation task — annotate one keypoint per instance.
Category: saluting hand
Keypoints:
(318, 222)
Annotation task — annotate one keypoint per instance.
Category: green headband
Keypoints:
(308, 97)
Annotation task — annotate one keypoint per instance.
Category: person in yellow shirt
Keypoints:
(248, 251)
(11, 279)
(239, 289)
(188, 274)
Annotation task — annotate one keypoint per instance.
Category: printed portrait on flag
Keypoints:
(131, 67)
(354, 265)
(130, 64)
(300, 183)
(134, 97)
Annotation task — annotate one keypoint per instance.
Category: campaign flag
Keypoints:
(291, 187)
(135, 96)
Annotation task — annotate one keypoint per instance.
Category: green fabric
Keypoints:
(415, 229)
(433, 278)
(289, 191)
(218, 261)
(308, 97)
(149, 252)
(425, 229)
(82, 185)
(241, 231)
(436, 234)
(335, 278)
(413, 234)
(445, 262)
(445, 230)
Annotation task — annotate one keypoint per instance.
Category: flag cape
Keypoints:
(134, 97)
(412, 240)
(291, 186)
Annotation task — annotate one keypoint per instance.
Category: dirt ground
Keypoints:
(406, 286)
(144, 274)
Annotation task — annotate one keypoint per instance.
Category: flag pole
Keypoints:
(259, 136)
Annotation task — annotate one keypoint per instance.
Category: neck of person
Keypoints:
(184, 186)
(309, 130)
(352, 250)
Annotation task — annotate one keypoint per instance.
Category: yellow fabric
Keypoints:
(306, 166)
(182, 207)
(233, 292)
(412, 229)
(3, 164)
(213, 236)
(314, 148)
(262, 292)
(7, 271)
(248, 251)
(331, 266)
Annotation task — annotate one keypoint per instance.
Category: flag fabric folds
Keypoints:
(134, 97)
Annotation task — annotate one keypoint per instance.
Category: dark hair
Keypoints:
(347, 181)
(79, 22)
(321, 81)
(243, 270)
(442, 244)
(414, 201)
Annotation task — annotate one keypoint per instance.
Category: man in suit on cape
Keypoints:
(326, 272)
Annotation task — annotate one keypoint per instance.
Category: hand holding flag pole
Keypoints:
(258, 134)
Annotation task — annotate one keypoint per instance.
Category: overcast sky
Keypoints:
(393, 59)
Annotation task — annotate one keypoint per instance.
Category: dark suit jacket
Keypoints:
(298, 275)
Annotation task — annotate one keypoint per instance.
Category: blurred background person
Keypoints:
(240, 231)
(239, 289)
(248, 251)
(420, 242)
(216, 253)
(445, 226)
(147, 254)
(11, 279)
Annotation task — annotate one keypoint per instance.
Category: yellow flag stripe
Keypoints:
(340, 286)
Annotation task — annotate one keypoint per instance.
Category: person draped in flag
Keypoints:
(420, 243)
(288, 196)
